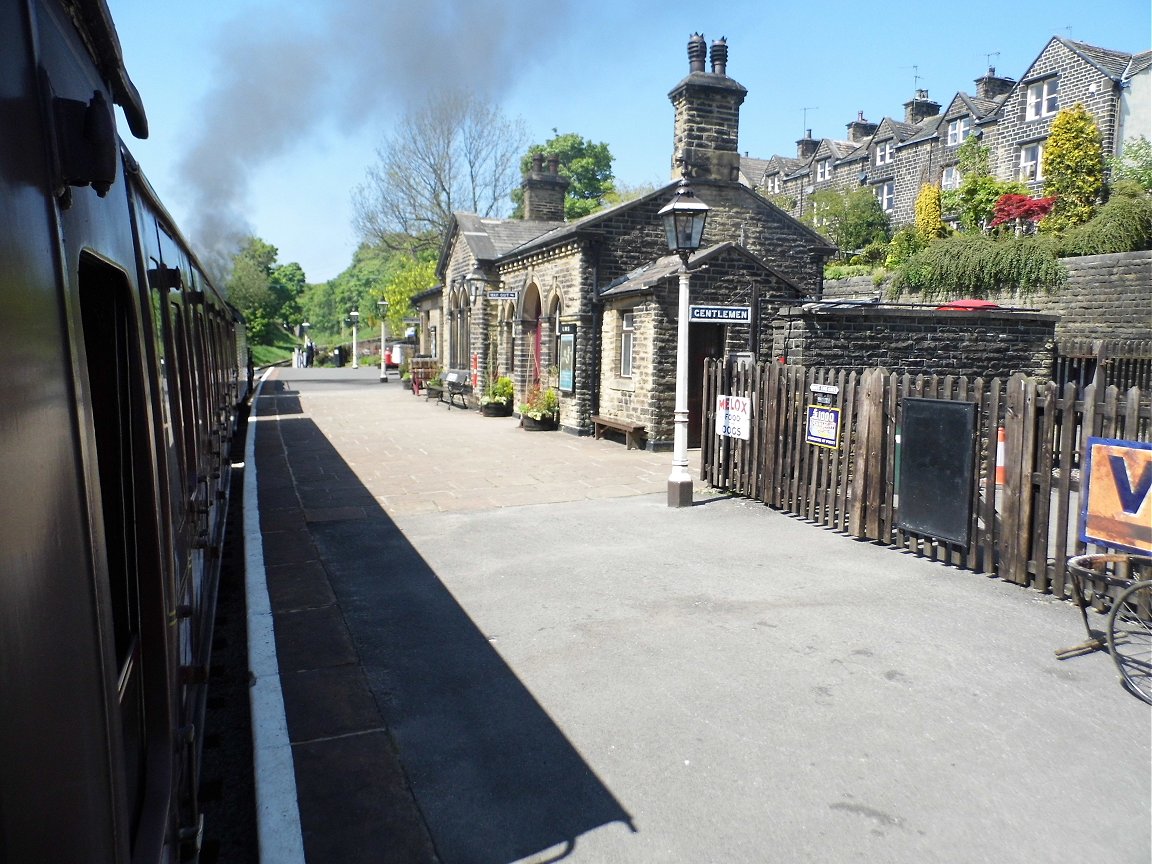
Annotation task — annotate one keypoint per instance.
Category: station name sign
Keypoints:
(713, 314)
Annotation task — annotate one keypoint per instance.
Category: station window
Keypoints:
(627, 332)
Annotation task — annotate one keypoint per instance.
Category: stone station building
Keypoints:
(591, 306)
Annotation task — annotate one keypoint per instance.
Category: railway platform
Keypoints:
(472, 643)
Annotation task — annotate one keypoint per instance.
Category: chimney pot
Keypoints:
(553, 164)
(720, 57)
(697, 51)
(537, 162)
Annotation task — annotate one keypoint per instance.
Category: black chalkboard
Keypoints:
(936, 465)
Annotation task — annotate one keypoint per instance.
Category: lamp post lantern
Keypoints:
(355, 316)
(383, 304)
(684, 218)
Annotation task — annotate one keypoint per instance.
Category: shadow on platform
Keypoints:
(376, 655)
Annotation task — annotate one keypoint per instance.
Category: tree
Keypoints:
(287, 284)
(413, 276)
(851, 219)
(974, 202)
(250, 288)
(587, 166)
(929, 214)
(455, 152)
(1073, 166)
(1133, 163)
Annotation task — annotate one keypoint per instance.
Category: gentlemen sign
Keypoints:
(722, 314)
(1117, 508)
(734, 417)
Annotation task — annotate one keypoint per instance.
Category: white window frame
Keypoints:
(885, 153)
(1043, 99)
(823, 170)
(774, 184)
(950, 179)
(627, 343)
(1031, 164)
(958, 130)
(886, 195)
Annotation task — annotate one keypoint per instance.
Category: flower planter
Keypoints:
(496, 409)
(531, 424)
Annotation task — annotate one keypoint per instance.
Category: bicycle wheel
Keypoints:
(1130, 637)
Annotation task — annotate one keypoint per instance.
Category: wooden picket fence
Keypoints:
(1023, 529)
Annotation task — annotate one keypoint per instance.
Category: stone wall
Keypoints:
(1105, 297)
(916, 341)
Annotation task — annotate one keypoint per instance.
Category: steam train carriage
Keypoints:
(120, 373)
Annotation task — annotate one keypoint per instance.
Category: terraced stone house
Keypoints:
(895, 158)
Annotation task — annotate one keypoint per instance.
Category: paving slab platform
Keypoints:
(495, 646)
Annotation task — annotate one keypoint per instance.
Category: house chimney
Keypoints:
(544, 190)
(991, 86)
(706, 135)
(807, 146)
(860, 129)
(920, 107)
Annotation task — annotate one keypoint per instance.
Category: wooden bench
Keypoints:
(633, 432)
(457, 383)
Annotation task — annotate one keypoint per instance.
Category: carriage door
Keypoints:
(704, 340)
(127, 550)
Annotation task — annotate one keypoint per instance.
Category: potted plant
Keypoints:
(540, 410)
(496, 400)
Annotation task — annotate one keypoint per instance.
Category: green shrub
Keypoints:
(1123, 224)
(976, 266)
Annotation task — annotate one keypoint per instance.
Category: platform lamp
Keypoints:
(383, 304)
(684, 218)
(354, 317)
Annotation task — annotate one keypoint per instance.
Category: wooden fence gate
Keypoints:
(1023, 528)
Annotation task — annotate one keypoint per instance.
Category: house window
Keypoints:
(886, 194)
(950, 178)
(1042, 98)
(885, 152)
(773, 184)
(627, 331)
(1031, 156)
(823, 170)
(958, 130)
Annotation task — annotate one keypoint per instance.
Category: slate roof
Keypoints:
(1111, 63)
(752, 170)
(563, 230)
(644, 277)
(1138, 64)
(489, 239)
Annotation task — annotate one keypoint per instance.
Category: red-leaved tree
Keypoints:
(1021, 209)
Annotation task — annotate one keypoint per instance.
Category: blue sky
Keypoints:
(268, 114)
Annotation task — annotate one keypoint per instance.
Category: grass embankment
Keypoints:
(279, 351)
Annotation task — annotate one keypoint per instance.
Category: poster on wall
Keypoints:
(567, 380)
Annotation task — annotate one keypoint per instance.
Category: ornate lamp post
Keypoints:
(354, 315)
(684, 218)
(383, 304)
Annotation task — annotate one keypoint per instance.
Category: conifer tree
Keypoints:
(929, 214)
(1073, 166)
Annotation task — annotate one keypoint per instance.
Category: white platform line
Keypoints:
(277, 811)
